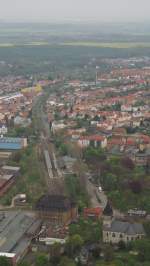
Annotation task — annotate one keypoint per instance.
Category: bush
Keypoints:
(136, 186)
(127, 163)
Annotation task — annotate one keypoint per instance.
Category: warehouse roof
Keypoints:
(10, 140)
(11, 143)
(10, 168)
(8, 255)
(6, 177)
(14, 226)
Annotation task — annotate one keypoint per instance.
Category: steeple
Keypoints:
(108, 211)
(107, 215)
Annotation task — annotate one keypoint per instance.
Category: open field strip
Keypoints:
(123, 45)
(112, 45)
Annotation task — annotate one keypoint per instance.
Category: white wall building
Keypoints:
(115, 231)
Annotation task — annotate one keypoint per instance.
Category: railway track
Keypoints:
(47, 148)
(50, 160)
(48, 164)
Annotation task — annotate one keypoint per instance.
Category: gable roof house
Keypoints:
(117, 231)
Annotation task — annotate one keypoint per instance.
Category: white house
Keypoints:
(126, 108)
(94, 140)
(3, 129)
(56, 126)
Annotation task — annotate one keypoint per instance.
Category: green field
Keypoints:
(6, 45)
(121, 45)
(3, 45)
(113, 45)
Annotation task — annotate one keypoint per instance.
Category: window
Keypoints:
(121, 236)
(113, 235)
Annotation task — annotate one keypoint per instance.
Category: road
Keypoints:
(98, 199)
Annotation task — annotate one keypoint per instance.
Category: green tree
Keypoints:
(55, 253)
(109, 181)
(65, 261)
(91, 232)
(4, 261)
(143, 248)
(95, 158)
(23, 263)
(147, 228)
(74, 244)
(106, 264)
(42, 260)
(63, 149)
(108, 253)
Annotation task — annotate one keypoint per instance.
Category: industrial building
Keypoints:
(57, 209)
(8, 176)
(12, 143)
(17, 229)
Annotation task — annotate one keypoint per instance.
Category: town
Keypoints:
(75, 167)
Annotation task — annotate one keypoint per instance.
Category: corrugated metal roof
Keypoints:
(10, 140)
(10, 168)
(10, 146)
(13, 228)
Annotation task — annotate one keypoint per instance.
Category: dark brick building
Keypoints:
(57, 209)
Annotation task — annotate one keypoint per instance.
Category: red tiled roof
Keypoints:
(131, 141)
(115, 141)
(93, 137)
(93, 211)
(145, 139)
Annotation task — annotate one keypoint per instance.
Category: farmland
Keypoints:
(117, 45)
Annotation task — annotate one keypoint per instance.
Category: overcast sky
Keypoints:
(102, 10)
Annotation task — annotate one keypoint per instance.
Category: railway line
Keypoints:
(48, 164)
(50, 158)
(51, 165)
(47, 148)
(56, 165)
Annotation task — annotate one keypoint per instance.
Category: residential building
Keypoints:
(3, 129)
(94, 140)
(92, 213)
(116, 231)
